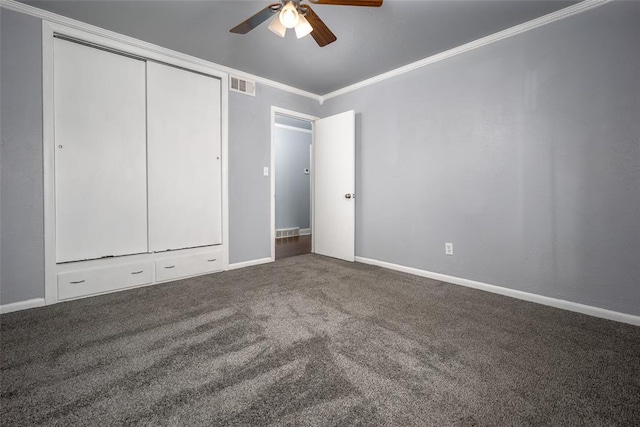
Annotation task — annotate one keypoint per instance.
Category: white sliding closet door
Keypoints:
(100, 153)
(184, 158)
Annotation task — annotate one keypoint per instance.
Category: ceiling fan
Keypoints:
(293, 14)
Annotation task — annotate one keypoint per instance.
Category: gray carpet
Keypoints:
(315, 341)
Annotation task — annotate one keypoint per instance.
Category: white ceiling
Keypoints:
(370, 40)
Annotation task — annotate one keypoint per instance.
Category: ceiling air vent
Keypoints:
(243, 86)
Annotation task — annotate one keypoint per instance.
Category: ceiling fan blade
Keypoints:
(368, 3)
(257, 19)
(321, 33)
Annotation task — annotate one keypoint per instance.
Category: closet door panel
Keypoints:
(100, 153)
(184, 158)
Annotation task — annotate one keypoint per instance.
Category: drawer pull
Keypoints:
(211, 260)
(137, 272)
(76, 282)
(170, 266)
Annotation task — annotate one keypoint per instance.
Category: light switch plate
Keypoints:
(265, 171)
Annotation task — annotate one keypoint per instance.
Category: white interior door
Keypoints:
(334, 192)
(100, 153)
(185, 189)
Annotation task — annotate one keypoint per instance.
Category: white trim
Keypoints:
(272, 154)
(237, 265)
(509, 32)
(48, 166)
(21, 305)
(48, 31)
(272, 186)
(304, 232)
(526, 296)
(224, 154)
(312, 183)
(281, 126)
(293, 114)
(78, 25)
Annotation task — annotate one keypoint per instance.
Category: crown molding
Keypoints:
(92, 29)
(501, 35)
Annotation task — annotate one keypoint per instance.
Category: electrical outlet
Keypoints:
(448, 248)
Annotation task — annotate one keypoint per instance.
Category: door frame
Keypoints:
(296, 115)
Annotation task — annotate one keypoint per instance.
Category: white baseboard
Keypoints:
(540, 299)
(253, 262)
(305, 231)
(21, 305)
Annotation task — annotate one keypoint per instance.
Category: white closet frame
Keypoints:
(118, 42)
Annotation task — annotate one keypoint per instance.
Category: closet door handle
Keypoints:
(211, 260)
(76, 282)
(137, 272)
(170, 266)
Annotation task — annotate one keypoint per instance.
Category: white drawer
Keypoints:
(97, 280)
(188, 265)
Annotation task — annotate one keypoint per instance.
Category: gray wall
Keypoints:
(21, 202)
(293, 186)
(524, 153)
(249, 152)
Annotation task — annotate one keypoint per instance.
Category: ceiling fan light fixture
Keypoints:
(300, 16)
(303, 28)
(289, 16)
(277, 27)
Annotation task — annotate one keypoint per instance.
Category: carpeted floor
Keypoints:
(315, 341)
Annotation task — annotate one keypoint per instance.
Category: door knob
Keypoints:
(347, 196)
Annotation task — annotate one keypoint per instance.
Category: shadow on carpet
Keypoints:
(315, 341)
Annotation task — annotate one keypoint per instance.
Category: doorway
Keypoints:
(292, 141)
(331, 183)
